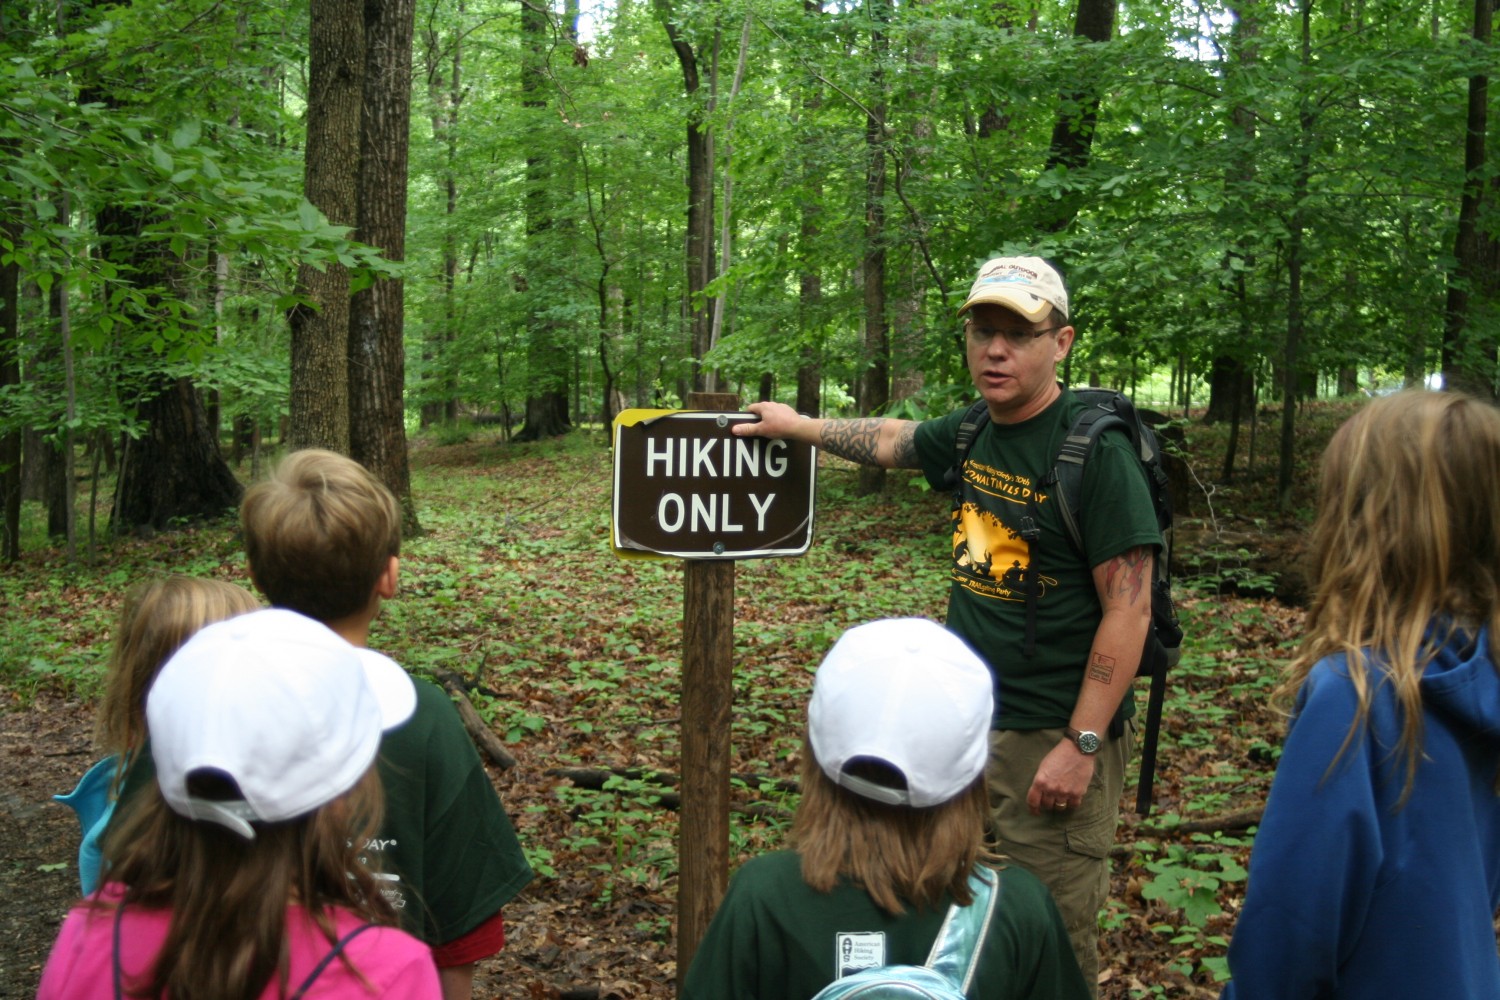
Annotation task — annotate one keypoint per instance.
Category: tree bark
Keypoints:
(319, 404)
(10, 376)
(441, 387)
(173, 473)
(376, 341)
(875, 381)
(1078, 113)
(700, 208)
(810, 279)
(548, 359)
(1468, 354)
(1296, 228)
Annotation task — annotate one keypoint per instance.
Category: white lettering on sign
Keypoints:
(706, 512)
(707, 458)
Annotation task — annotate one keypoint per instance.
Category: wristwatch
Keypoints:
(1085, 741)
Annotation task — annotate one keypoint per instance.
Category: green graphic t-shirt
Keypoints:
(987, 597)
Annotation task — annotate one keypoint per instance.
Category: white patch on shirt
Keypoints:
(855, 951)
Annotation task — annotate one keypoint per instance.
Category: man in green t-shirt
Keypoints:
(1062, 734)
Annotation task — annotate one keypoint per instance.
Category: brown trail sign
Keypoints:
(686, 487)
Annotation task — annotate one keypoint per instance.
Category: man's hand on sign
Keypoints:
(777, 420)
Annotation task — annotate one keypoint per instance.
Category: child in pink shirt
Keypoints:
(238, 874)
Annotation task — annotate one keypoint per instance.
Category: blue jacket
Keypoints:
(1351, 896)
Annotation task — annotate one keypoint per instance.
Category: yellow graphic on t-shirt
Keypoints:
(990, 558)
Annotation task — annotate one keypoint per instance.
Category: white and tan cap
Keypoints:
(910, 694)
(1027, 285)
(279, 703)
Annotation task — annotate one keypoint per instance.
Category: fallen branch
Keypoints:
(1231, 823)
(479, 730)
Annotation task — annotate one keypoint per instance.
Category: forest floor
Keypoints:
(571, 655)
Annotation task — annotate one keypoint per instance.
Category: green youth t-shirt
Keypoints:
(987, 597)
(446, 851)
(775, 938)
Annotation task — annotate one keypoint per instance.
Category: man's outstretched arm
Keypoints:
(866, 440)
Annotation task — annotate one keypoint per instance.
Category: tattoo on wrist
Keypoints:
(906, 446)
(1102, 668)
(853, 439)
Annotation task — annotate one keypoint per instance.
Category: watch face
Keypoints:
(1088, 742)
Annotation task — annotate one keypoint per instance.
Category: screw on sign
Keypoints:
(686, 487)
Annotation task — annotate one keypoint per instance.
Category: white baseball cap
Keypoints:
(910, 694)
(1027, 285)
(278, 702)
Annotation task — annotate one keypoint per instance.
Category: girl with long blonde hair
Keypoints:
(1376, 869)
(888, 839)
(158, 616)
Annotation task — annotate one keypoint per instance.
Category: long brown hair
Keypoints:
(158, 616)
(1405, 548)
(228, 896)
(898, 854)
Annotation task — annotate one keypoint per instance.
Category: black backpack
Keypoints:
(1106, 410)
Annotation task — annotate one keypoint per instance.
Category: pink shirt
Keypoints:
(81, 964)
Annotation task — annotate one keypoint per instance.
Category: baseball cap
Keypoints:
(908, 693)
(1027, 285)
(278, 702)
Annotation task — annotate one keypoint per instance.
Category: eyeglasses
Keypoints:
(1014, 336)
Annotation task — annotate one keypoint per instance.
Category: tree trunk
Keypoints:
(1296, 226)
(548, 358)
(377, 352)
(10, 379)
(441, 388)
(1077, 113)
(173, 473)
(319, 403)
(1468, 352)
(810, 281)
(875, 381)
(700, 208)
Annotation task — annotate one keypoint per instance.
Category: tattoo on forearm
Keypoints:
(906, 446)
(853, 439)
(1127, 574)
(1102, 668)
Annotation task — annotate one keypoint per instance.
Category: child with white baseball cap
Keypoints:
(240, 874)
(887, 837)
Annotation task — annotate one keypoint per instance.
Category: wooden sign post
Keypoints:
(685, 487)
(707, 703)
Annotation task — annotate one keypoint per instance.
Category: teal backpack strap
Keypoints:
(955, 953)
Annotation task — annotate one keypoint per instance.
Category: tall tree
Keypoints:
(376, 341)
(1468, 342)
(548, 355)
(318, 409)
(1078, 112)
(700, 173)
(875, 380)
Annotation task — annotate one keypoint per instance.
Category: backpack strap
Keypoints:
(974, 419)
(334, 952)
(1154, 702)
(118, 973)
(955, 952)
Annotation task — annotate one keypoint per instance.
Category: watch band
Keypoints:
(1086, 741)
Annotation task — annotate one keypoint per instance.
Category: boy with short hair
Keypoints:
(322, 537)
